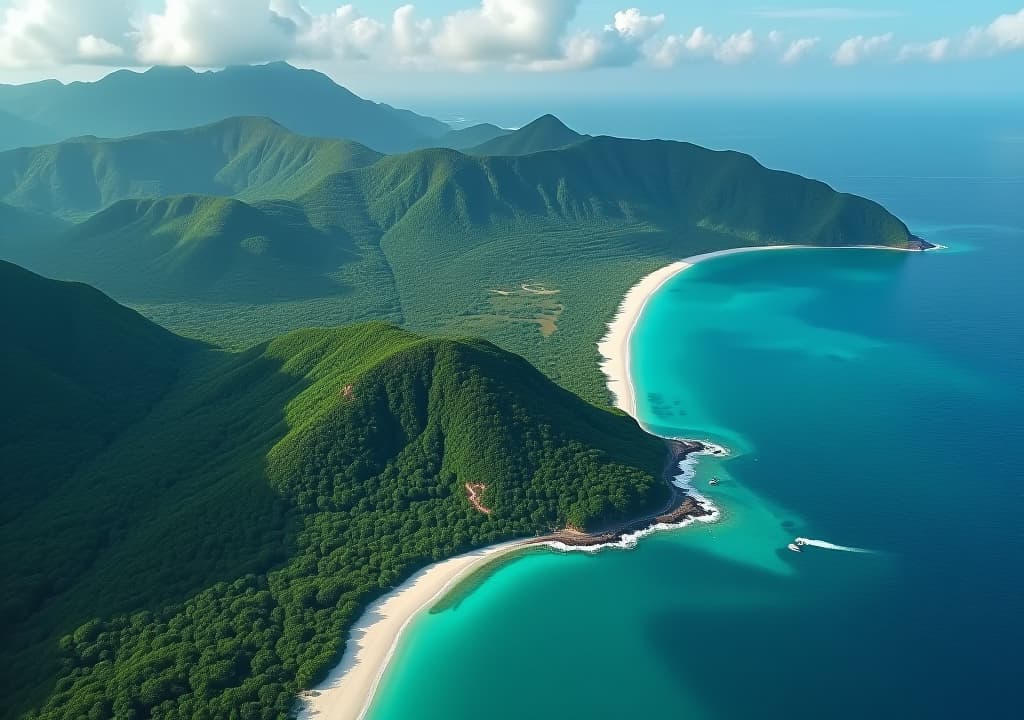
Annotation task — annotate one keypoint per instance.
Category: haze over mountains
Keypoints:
(321, 231)
(165, 98)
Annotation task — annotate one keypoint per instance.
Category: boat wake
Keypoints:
(801, 541)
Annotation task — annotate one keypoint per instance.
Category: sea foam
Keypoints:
(683, 481)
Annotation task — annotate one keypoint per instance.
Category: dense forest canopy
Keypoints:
(195, 227)
(206, 558)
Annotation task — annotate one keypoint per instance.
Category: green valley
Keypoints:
(326, 232)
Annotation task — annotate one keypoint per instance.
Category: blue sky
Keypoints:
(565, 48)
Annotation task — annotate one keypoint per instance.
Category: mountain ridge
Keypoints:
(167, 98)
(441, 240)
(252, 156)
(545, 133)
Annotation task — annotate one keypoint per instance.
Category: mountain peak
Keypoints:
(545, 133)
(169, 71)
(548, 121)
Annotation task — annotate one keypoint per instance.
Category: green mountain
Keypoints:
(167, 98)
(230, 514)
(17, 132)
(254, 157)
(545, 133)
(437, 240)
(471, 136)
(204, 247)
(77, 369)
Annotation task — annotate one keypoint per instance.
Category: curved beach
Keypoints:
(348, 691)
(614, 346)
(349, 688)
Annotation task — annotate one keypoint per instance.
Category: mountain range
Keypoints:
(167, 98)
(191, 226)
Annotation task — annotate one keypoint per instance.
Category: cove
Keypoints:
(869, 399)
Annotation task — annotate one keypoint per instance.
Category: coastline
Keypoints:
(349, 689)
(614, 347)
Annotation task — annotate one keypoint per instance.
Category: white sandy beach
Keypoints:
(614, 346)
(347, 692)
(351, 685)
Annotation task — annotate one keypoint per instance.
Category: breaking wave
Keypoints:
(683, 481)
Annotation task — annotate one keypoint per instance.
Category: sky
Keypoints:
(541, 48)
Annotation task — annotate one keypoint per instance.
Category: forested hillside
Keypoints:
(205, 554)
(253, 157)
(76, 370)
(168, 98)
(532, 251)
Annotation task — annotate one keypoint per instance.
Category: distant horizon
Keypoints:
(525, 48)
(498, 99)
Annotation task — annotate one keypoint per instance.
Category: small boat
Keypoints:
(794, 547)
(714, 481)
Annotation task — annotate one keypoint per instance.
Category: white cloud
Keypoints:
(632, 24)
(825, 13)
(515, 34)
(409, 36)
(934, 51)
(199, 32)
(529, 34)
(857, 49)
(506, 31)
(1008, 30)
(736, 48)
(701, 44)
(92, 48)
(798, 49)
(204, 33)
(1004, 34)
(345, 33)
(44, 33)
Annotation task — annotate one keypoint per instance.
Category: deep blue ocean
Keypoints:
(870, 399)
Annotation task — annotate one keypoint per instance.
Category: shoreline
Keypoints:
(348, 690)
(614, 347)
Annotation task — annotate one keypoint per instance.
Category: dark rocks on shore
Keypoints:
(680, 507)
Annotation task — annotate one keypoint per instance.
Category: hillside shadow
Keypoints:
(180, 501)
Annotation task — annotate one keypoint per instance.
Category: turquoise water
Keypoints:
(870, 399)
